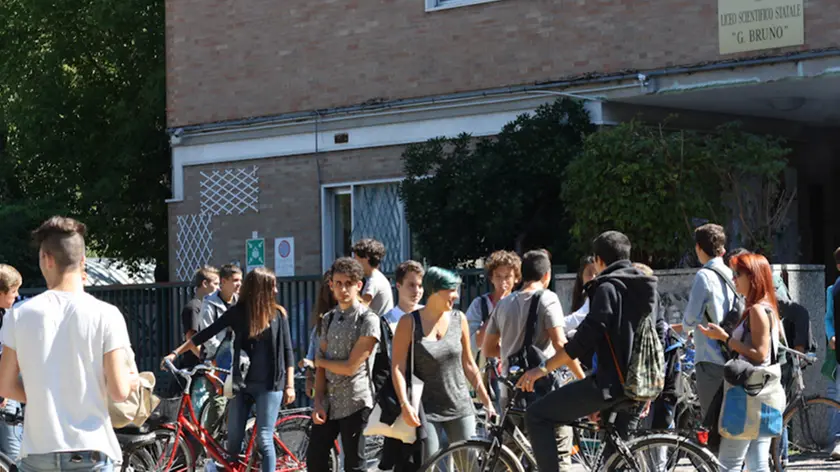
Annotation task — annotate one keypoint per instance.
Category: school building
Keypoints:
(288, 119)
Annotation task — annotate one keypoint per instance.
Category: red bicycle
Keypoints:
(173, 452)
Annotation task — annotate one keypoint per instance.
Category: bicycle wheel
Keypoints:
(291, 441)
(658, 452)
(809, 428)
(137, 460)
(471, 456)
(586, 447)
(171, 453)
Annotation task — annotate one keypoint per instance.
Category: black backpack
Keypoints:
(732, 317)
(530, 356)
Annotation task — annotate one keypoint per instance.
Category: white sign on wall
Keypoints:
(284, 257)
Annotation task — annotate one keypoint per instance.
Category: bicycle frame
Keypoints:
(507, 425)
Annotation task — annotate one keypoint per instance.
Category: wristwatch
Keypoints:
(542, 367)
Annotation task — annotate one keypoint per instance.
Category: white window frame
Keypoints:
(436, 5)
(327, 214)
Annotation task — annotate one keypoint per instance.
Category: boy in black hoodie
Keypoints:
(620, 297)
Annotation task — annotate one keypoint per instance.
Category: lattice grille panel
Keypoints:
(378, 214)
(230, 191)
(195, 248)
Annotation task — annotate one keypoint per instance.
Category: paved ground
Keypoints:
(816, 464)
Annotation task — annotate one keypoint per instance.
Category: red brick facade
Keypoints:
(246, 58)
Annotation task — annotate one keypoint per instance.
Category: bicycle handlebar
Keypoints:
(198, 368)
(809, 357)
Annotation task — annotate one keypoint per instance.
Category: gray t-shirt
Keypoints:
(379, 288)
(510, 315)
(348, 394)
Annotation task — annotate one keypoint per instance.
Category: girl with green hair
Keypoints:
(443, 360)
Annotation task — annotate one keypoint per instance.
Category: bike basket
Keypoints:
(166, 411)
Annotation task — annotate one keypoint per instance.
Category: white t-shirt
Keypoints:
(61, 339)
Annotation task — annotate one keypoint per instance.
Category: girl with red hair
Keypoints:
(753, 340)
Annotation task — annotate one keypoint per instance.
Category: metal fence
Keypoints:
(153, 311)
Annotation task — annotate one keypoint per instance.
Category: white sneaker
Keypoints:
(835, 453)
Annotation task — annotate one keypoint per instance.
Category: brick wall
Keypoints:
(289, 203)
(234, 59)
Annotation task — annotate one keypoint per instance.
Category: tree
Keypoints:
(654, 185)
(82, 110)
(465, 197)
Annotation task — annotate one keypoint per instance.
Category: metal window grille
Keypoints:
(194, 241)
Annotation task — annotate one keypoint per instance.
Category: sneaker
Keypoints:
(835, 453)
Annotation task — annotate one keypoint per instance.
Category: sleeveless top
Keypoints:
(438, 364)
(738, 333)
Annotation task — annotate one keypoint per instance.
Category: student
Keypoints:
(409, 275)
(711, 297)
(580, 302)
(323, 304)
(509, 322)
(261, 328)
(10, 435)
(82, 357)
(443, 361)
(216, 304)
(504, 271)
(377, 293)
(608, 330)
(343, 396)
(206, 282)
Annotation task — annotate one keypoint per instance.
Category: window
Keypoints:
(364, 210)
(434, 5)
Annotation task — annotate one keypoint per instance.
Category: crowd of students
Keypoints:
(356, 324)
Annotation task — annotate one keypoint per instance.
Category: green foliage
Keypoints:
(15, 239)
(82, 111)
(654, 184)
(466, 197)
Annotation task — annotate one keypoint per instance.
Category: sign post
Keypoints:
(284, 257)
(254, 254)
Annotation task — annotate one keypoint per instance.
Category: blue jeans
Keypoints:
(834, 393)
(456, 430)
(735, 453)
(10, 435)
(268, 406)
(67, 461)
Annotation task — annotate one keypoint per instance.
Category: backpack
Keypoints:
(530, 356)
(646, 367)
(731, 318)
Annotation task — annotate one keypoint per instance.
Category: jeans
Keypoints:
(834, 393)
(66, 461)
(563, 406)
(456, 430)
(323, 437)
(268, 406)
(735, 452)
(11, 435)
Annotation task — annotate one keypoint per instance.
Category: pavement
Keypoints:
(816, 463)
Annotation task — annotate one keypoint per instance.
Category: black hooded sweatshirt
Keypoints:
(620, 296)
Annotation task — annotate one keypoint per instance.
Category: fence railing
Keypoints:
(153, 311)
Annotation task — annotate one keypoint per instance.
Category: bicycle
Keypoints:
(494, 454)
(807, 420)
(172, 451)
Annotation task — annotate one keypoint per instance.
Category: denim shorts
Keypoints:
(67, 461)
